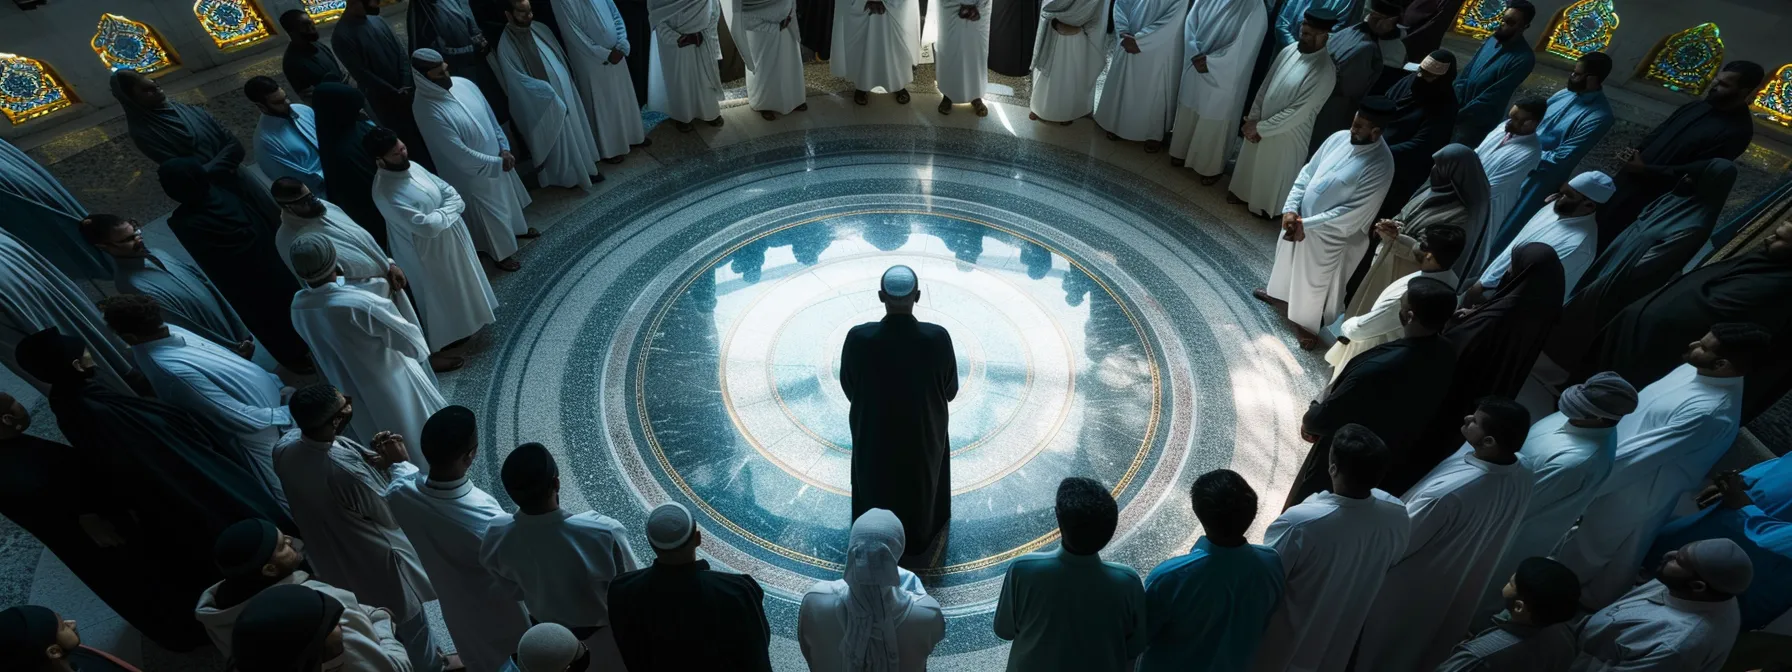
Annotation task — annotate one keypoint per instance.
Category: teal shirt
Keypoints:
(1071, 612)
(1207, 610)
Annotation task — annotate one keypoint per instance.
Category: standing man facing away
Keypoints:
(1578, 118)
(899, 374)
(1488, 80)
(1220, 40)
(1138, 102)
(1541, 598)
(961, 56)
(678, 614)
(1207, 610)
(876, 43)
(1280, 121)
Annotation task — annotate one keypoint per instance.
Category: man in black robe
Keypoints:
(899, 374)
(382, 70)
(1718, 127)
(679, 614)
(171, 486)
(1392, 389)
(1424, 116)
(1013, 28)
(308, 62)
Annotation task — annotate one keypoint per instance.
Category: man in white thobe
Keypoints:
(427, 234)
(560, 564)
(770, 42)
(189, 299)
(876, 44)
(961, 55)
(688, 81)
(545, 103)
(445, 517)
(597, 45)
(337, 488)
(285, 135)
(1336, 548)
(473, 154)
(1437, 247)
(1138, 102)
(1069, 51)
(1686, 620)
(1567, 223)
(1220, 43)
(1325, 219)
(1279, 124)
(1508, 154)
(1463, 512)
(222, 389)
(34, 296)
(1683, 423)
(362, 344)
(1571, 453)
(357, 254)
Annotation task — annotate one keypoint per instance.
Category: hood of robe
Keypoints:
(875, 600)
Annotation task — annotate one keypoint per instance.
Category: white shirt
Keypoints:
(1651, 630)
(447, 522)
(821, 625)
(1508, 161)
(560, 563)
(1575, 240)
(1571, 463)
(1336, 552)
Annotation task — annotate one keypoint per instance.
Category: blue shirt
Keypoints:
(287, 147)
(1207, 610)
(1071, 612)
(1484, 88)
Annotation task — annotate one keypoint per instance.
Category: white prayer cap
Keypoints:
(669, 526)
(546, 647)
(1434, 66)
(426, 55)
(899, 281)
(1594, 185)
(1720, 563)
(313, 257)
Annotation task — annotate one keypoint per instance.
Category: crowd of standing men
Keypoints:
(1434, 232)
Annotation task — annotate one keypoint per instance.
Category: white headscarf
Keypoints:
(875, 599)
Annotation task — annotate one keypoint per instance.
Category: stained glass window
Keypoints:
(323, 11)
(232, 23)
(30, 89)
(1687, 60)
(1776, 100)
(1479, 18)
(1583, 28)
(123, 43)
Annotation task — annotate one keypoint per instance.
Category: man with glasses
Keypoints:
(188, 298)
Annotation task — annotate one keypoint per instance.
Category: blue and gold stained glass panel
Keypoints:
(1479, 18)
(1583, 28)
(30, 89)
(323, 11)
(125, 44)
(1688, 60)
(232, 23)
(1776, 99)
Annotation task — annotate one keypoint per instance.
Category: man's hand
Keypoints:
(509, 160)
(390, 449)
(1250, 131)
(1388, 229)
(480, 44)
(969, 12)
(1129, 44)
(875, 7)
(395, 276)
(1297, 234)
(245, 349)
(1200, 63)
(1065, 28)
(101, 531)
(616, 56)
(1734, 493)
(690, 40)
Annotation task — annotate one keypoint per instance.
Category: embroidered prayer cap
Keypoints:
(1320, 17)
(1438, 62)
(1605, 396)
(244, 547)
(427, 56)
(1720, 563)
(669, 526)
(546, 647)
(1594, 185)
(313, 257)
(899, 282)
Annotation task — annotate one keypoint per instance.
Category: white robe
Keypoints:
(446, 522)
(548, 112)
(223, 391)
(1284, 109)
(1682, 424)
(773, 54)
(1336, 196)
(357, 254)
(1335, 551)
(34, 296)
(1650, 629)
(1065, 67)
(189, 300)
(351, 539)
(1575, 240)
(465, 140)
(369, 351)
(876, 50)
(428, 237)
(1138, 101)
(961, 56)
(1508, 162)
(688, 77)
(592, 29)
(1463, 513)
(1381, 323)
(368, 644)
(560, 565)
(1229, 33)
(1570, 464)
(821, 623)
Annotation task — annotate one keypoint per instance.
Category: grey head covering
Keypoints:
(1720, 563)
(1605, 396)
(313, 257)
(1457, 194)
(875, 598)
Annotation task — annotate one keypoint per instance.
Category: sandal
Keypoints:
(683, 126)
(1032, 117)
(645, 142)
(768, 116)
(861, 97)
(982, 110)
(902, 97)
(803, 107)
(945, 106)
(443, 364)
(716, 122)
(531, 233)
(508, 265)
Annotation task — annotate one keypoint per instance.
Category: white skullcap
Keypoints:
(313, 257)
(1594, 185)
(1720, 563)
(547, 647)
(427, 55)
(669, 526)
(899, 281)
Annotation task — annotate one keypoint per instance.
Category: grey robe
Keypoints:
(34, 296)
(38, 210)
(188, 298)
(177, 129)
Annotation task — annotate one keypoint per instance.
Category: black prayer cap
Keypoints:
(1386, 8)
(445, 434)
(1321, 17)
(283, 629)
(25, 631)
(243, 548)
(528, 471)
(1378, 109)
(47, 355)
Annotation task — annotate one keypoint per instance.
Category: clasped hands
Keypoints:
(1293, 228)
(969, 12)
(1387, 229)
(1129, 43)
(690, 39)
(1249, 130)
(876, 7)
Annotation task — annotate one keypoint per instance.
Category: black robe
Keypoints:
(640, 42)
(348, 170)
(689, 617)
(234, 245)
(1013, 27)
(1426, 22)
(1695, 132)
(382, 70)
(1424, 118)
(1646, 340)
(308, 64)
(899, 374)
(815, 24)
(1391, 389)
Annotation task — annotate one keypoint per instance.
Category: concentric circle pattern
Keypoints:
(680, 340)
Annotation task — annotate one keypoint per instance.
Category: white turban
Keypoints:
(875, 599)
(1594, 185)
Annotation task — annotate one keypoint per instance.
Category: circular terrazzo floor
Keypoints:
(678, 339)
